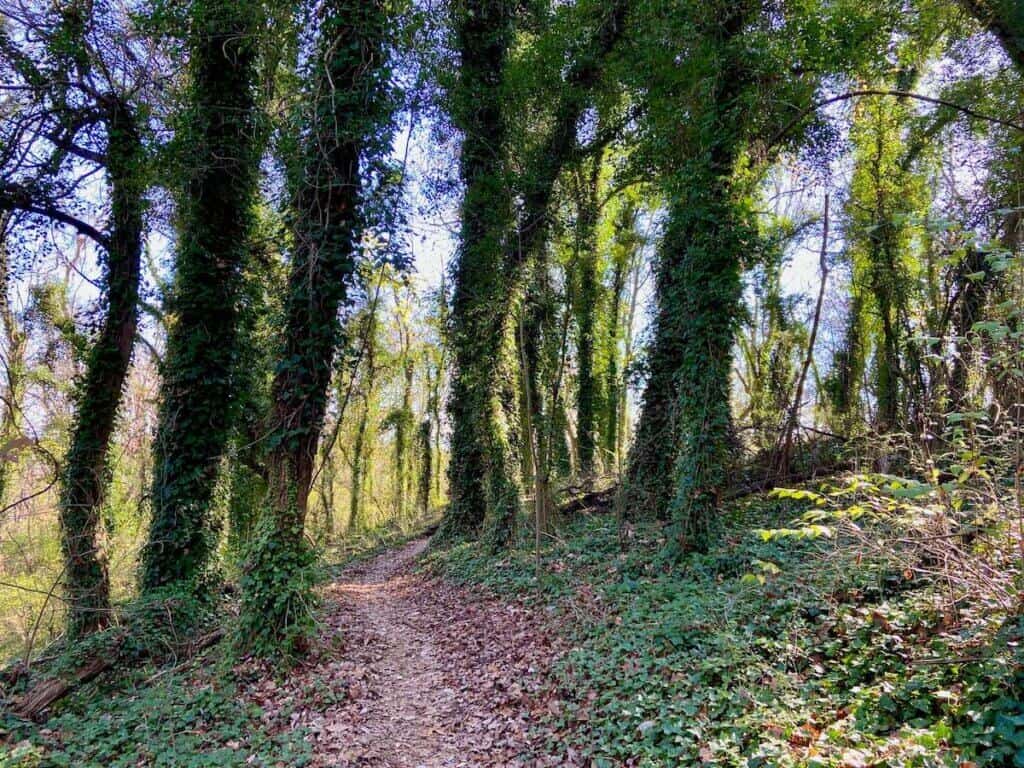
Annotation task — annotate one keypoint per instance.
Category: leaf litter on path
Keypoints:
(411, 671)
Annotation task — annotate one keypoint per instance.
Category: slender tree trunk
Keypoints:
(426, 449)
(403, 440)
(634, 297)
(973, 295)
(434, 411)
(525, 380)
(14, 366)
(610, 438)
(843, 384)
(327, 479)
(86, 475)
(359, 446)
(358, 468)
(215, 211)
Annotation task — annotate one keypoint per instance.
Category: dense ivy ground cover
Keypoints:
(184, 719)
(780, 652)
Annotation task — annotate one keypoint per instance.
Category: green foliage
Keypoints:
(785, 652)
(278, 607)
(182, 720)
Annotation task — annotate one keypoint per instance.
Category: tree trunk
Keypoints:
(359, 445)
(610, 438)
(403, 440)
(215, 211)
(680, 463)
(426, 467)
(86, 475)
(649, 477)
(708, 292)
(347, 112)
(481, 476)
(586, 319)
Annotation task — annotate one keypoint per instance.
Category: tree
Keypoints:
(496, 248)
(219, 142)
(89, 78)
(481, 474)
(706, 169)
(348, 129)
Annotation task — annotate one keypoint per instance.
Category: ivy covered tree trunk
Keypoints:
(587, 300)
(403, 419)
(219, 139)
(536, 329)
(843, 385)
(348, 120)
(887, 366)
(973, 294)
(613, 376)
(85, 476)
(359, 445)
(708, 293)
(481, 472)
(426, 450)
(884, 189)
(687, 402)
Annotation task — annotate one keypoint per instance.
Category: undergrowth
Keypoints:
(169, 697)
(173, 695)
(781, 647)
(184, 719)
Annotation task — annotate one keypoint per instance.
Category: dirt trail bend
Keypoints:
(414, 672)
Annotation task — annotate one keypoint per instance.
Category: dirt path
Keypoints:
(413, 672)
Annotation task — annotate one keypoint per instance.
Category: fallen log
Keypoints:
(34, 702)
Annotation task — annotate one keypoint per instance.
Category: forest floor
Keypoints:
(411, 671)
(773, 649)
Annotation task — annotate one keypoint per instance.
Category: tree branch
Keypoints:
(19, 199)
(887, 92)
